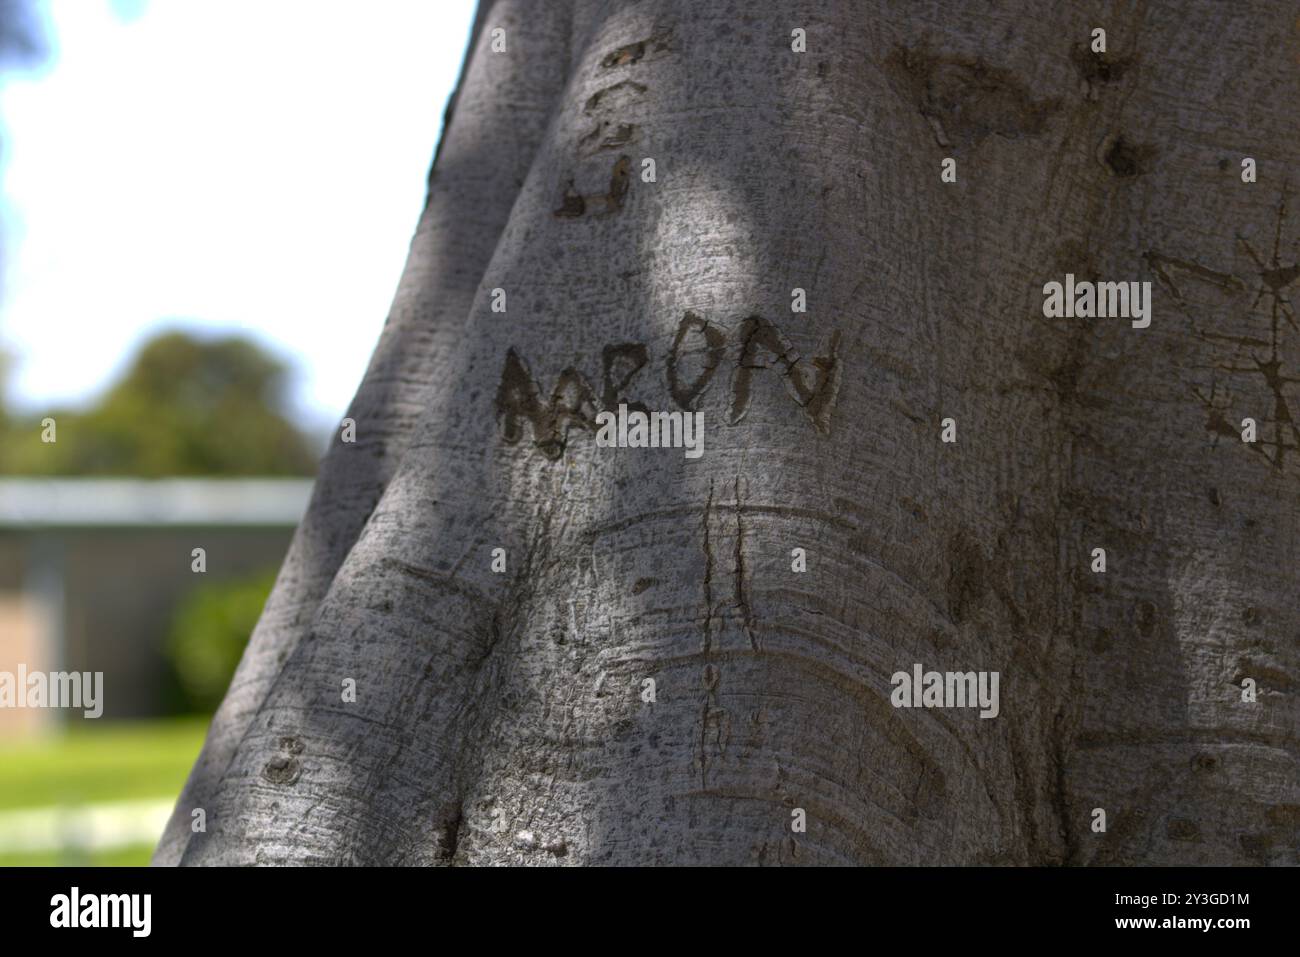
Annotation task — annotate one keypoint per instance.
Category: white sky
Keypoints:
(222, 165)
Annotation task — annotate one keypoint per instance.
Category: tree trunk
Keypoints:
(506, 717)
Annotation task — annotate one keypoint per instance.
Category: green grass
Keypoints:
(137, 856)
(122, 761)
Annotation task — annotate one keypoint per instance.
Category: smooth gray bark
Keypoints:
(499, 717)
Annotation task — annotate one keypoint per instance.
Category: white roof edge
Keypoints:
(108, 502)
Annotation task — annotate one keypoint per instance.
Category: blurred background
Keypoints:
(205, 207)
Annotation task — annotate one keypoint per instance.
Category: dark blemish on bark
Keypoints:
(1121, 159)
(621, 135)
(448, 837)
(642, 584)
(1205, 763)
(658, 42)
(602, 137)
(817, 398)
(966, 582)
(285, 768)
(1266, 676)
(1144, 617)
(624, 55)
(1065, 375)
(572, 205)
(1283, 816)
(715, 347)
(1181, 829)
(620, 92)
(1099, 69)
(1101, 641)
(1223, 163)
(1216, 499)
(1256, 846)
(1086, 585)
(619, 180)
(1282, 276)
(710, 677)
(1251, 616)
(621, 363)
(914, 508)
(1126, 159)
(931, 794)
(966, 100)
(495, 631)
(1217, 424)
(557, 846)
(282, 769)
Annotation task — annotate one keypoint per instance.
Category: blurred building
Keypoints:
(91, 571)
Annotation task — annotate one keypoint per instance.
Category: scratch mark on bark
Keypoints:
(708, 574)
(622, 91)
(710, 717)
(741, 591)
(1159, 263)
(631, 53)
(602, 138)
(576, 205)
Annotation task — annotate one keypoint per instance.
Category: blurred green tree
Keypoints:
(186, 406)
(209, 630)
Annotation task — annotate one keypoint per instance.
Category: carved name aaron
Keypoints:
(697, 354)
